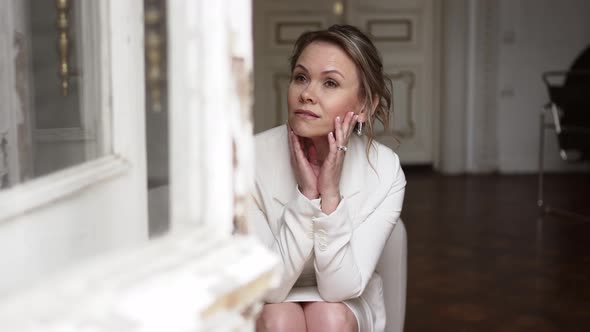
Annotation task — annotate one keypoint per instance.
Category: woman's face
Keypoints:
(324, 84)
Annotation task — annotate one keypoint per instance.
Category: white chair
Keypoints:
(392, 268)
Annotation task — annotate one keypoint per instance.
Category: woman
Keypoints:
(326, 200)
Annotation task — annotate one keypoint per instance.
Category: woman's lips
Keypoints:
(305, 114)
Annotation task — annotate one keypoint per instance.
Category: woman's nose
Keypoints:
(308, 95)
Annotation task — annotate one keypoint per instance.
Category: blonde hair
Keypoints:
(374, 82)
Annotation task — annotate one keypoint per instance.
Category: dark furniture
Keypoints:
(569, 110)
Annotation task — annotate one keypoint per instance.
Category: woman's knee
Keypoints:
(281, 317)
(325, 316)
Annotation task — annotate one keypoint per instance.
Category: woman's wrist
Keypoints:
(329, 203)
(310, 194)
(330, 194)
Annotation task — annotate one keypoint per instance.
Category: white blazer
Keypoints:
(347, 243)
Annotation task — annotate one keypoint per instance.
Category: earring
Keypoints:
(359, 129)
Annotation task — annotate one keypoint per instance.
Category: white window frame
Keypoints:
(199, 276)
(45, 190)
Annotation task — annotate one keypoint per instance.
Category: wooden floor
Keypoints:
(480, 257)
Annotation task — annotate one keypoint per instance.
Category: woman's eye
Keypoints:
(331, 84)
(299, 78)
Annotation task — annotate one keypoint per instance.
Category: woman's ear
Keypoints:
(363, 113)
(362, 116)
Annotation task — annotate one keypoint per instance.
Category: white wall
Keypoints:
(453, 133)
(494, 53)
(535, 36)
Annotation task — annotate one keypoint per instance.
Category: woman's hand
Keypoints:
(323, 180)
(306, 173)
(328, 182)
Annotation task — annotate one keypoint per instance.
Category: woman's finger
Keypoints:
(297, 150)
(292, 138)
(337, 155)
(345, 126)
(337, 134)
(300, 157)
(332, 143)
(304, 171)
(348, 126)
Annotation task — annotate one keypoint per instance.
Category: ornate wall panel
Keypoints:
(284, 29)
(404, 103)
(391, 30)
(406, 118)
(387, 4)
(396, 31)
(404, 31)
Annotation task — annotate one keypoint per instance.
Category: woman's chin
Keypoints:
(309, 133)
(305, 129)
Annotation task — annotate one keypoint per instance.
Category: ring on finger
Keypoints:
(342, 148)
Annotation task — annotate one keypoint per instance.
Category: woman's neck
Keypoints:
(317, 149)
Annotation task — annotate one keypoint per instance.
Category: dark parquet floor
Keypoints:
(480, 257)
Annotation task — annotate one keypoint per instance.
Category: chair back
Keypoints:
(393, 268)
(572, 97)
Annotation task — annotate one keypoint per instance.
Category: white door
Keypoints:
(405, 32)
(98, 205)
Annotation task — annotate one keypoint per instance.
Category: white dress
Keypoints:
(368, 308)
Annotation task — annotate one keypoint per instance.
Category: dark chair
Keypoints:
(569, 110)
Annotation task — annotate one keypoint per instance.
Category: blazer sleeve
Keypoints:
(346, 257)
(292, 240)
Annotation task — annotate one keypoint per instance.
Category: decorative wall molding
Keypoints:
(390, 30)
(286, 33)
(402, 125)
(408, 78)
(396, 5)
(284, 28)
(396, 30)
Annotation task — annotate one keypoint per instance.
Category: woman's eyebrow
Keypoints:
(300, 66)
(329, 71)
(333, 71)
